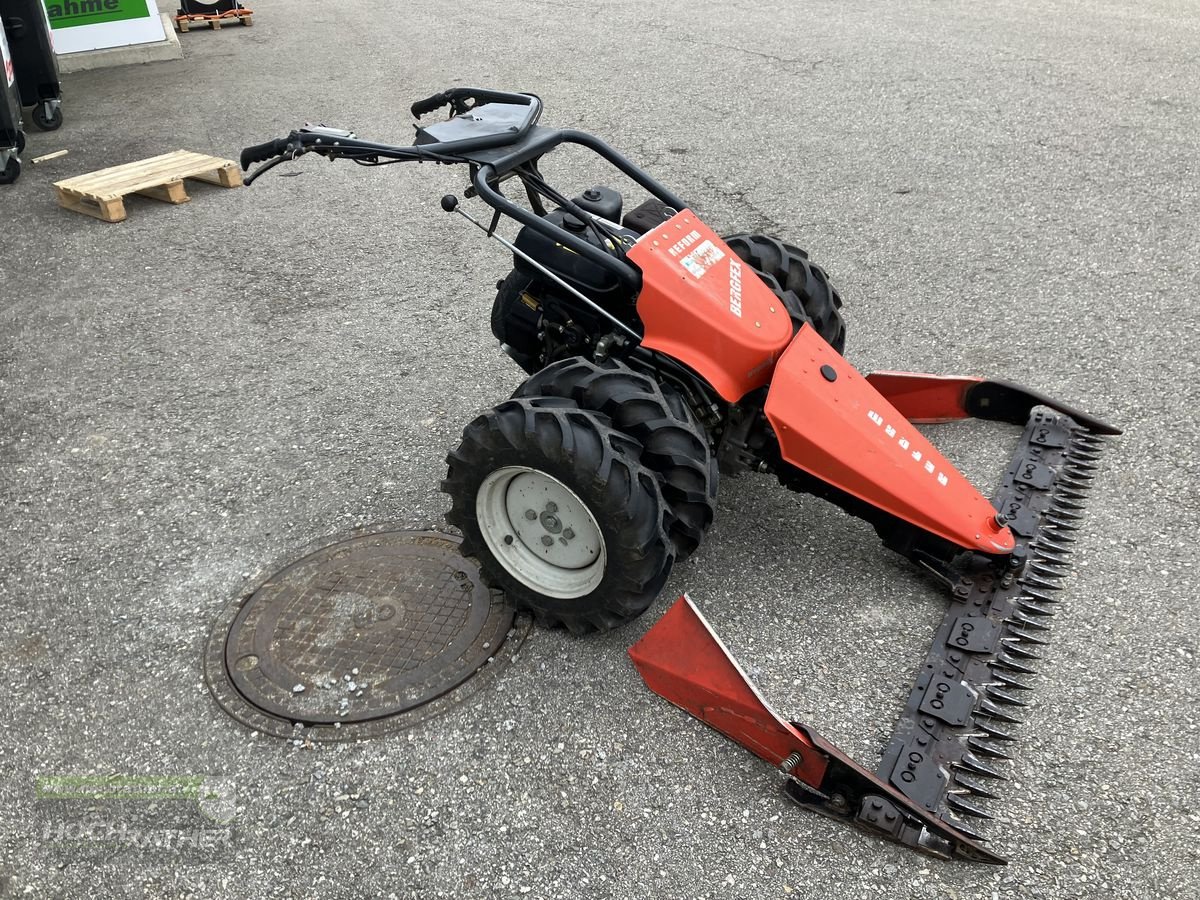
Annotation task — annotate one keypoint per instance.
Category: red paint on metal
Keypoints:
(846, 433)
(682, 660)
(700, 304)
(925, 398)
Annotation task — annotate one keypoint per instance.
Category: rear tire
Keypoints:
(674, 445)
(802, 286)
(576, 474)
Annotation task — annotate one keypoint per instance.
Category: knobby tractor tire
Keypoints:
(802, 286)
(554, 447)
(674, 446)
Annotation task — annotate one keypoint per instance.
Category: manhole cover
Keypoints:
(369, 634)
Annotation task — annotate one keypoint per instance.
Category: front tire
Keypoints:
(674, 446)
(802, 286)
(595, 551)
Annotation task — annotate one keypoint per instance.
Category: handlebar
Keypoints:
(429, 104)
(458, 97)
(262, 152)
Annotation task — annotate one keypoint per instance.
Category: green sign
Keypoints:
(70, 13)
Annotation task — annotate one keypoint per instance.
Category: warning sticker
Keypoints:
(8, 63)
(702, 258)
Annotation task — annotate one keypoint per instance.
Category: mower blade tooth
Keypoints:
(1072, 504)
(962, 805)
(1009, 680)
(1038, 595)
(995, 733)
(1028, 606)
(1001, 697)
(1054, 555)
(1007, 662)
(1048, 570)
(1060, 524)
(976, 766)
(1024, 621)
(1061, 505)
(1071, 493)
(1058, 535)
(964, 829)
(1066, 490)
(1030, 580)
(1080, 462)
(1047, 542)
(975, 787)
(972, 763)
(1026, 638)
(981, 746)
(1058, 515)
(988, 708)
(1013, 647)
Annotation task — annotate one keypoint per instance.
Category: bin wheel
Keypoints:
(20, 142)
(47, 122)
(11, 171)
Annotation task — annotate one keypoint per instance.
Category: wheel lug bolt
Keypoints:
(568, 533)
(551, 507)
(530, 515)
(547, 540)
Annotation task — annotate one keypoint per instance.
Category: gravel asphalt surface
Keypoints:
(189, 397)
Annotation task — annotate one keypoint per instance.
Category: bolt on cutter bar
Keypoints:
(660, 353)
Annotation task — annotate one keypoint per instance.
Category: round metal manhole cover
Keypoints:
(366, 635)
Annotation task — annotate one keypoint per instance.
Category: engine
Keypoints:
(538, 321)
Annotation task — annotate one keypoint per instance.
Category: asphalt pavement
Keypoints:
(192, 395)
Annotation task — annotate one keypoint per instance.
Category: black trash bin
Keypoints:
(32, 46)
(12, 133)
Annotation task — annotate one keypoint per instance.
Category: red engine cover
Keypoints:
(832, 423)
(700, 304)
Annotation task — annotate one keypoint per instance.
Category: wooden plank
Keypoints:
(152, 164)
(105, 210)
(137, 176)
(101, 174)
(227, 176)
(134, 176)
(171, 192)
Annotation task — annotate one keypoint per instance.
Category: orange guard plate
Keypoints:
(700, 304)
(845, 432)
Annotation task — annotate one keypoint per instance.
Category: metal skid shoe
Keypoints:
(947, 750)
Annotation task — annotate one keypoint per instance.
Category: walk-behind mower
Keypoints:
(658, 354)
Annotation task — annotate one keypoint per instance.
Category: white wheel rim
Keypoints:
(557, 551)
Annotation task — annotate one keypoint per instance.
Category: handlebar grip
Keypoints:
(429, 104)
(261, 152)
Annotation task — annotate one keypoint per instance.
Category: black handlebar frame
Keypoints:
(492, 158)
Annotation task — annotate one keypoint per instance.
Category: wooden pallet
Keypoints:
(184, 22)
(101, 194)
